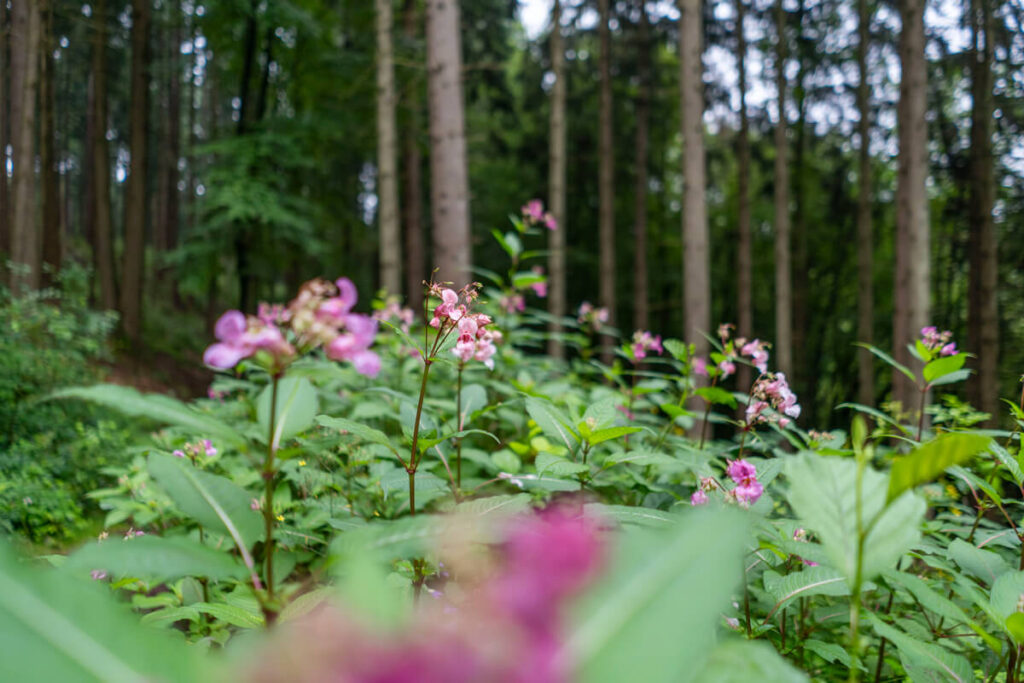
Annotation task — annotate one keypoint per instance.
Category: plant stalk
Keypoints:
(413, 460)
(268, 491)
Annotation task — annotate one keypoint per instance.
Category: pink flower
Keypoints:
(748, 492)
(738, 470)
(727, 367)
(549, 222)
(366, 363)
(208, 448)
(512, 303)
(178, 454)
(698, 498)
(533, 210)
(644, 342)
(756, 351)
(933, 340)
(347, 292)
(230, 327)
(949, 349)
(700, 366)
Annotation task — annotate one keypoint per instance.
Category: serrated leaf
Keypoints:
(678, 349)
(495, 505)
(473, 399)
(358, 429)
(830, 652)
(741, 661)
(717, 395)
(1006, 597)
(925, 655)
(888, 359)
(552, 465)
(983, 564)
(296, 408)
(1008, 462)
(231, 614)
(552, 423)
(810, 581)
(602, 435)
(155, 558)
(627, 514)
(929, 460)
(940, 367)
(951, 378)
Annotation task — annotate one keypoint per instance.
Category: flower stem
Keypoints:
(458, 423)
(268, 491)
(920, 417)
(413, 460)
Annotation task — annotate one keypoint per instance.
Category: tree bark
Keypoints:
(387, 155)
(168, 219)
(412, 187)
(744, 246)
(556, 185)
(243, 260)
(696, 240)
(51, 200)
(5, 207)
(133, 263)
(606, 180)
(913, 263)
(982, 308)
(783, 281)
(643, 114)
(865, 241)
(449, 183)
(99, 178)
(25, 30)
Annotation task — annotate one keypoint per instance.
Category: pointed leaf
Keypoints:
(155, 558)
(929, 460)
(296, 408)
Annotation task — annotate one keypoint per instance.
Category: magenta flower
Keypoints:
(738, 470)
(178, 454)
(700, 366)
(208, 448)
(644, 342)
(533, 210)
(698, 498)
(757, 352)
(748, 492)
(549, 222)
(727, 367)
(949, 349)
(936, 341)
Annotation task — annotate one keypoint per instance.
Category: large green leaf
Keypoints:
(983, 564)
(356, 429)
(296, 408)
(213, 501)
(653, 617)
(810, 581)
(156, 559)
(58, 628)
(742, 661)
(940, 367)
(822, 492)
(929, 460)
(1007, 599)
(925, 655)
(554, 425)
(888, 359)
(155, 407)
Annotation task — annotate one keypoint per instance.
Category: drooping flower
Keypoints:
(700, 366)
(772, 391)
(757, 351)
(738, 470)
(208, 448)
(938, 342)
(644, 342)
(698, 498)
(533, 210)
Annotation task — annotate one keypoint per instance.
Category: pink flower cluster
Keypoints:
(757, 351)
(643, 343)
(193, 450)
(934, 340)
(771, 390)
(534, 214)
(393, 310)
(591, 316)
(512, 303)
(502, 625)
(319, 316)
(748, 489)
(475, 341)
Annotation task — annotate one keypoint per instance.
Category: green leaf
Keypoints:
(940, 367)
(678, 349)
(58, 628)
(830, 652)
(664, 583)
(1008, 462)
(474, 398)
(1015, 626)
(951, 378)
(822, 492)
(602, 435)
(937, 603)
(875, 413)
(552, 423)
(810, 581)
(215, 502)
(296, 408)
(888, 359)
(555, 466)
(1007, 595)
(983, 564)
(925, 655)
(929, 460)
(231, 614)
(155, 558)
(717, 395)
(358, 429)
(495, 505)
(157, 407)
(742, 661)
(627, 514)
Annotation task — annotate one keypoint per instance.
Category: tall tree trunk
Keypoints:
(783, 282)
(696, 240)
(556, 185)
(865, 241)
(387, 155)
(243, 260)
(800, 199)
(982, 308)
(165, 222)
(449, 182)
(25, 30)
(135, 186)
(744, 245)
(606, 180)
(99, 178)
(913, 256)
(5, 207)
(52, 239)
(643, 115)
(412, 186)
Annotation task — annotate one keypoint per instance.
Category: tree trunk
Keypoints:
(606, 180)
(387, 156)
(165, 233)
(643, 115)
(52, 239)
(5, 207)
(135, 186)
(913, 261)
(25, 29)
(865, 241)
(696, 240)
(556, 185)
(982, 309)
(783, 282)
(744, 245)
(412, 187)
(449, 183)
(243, 260)
(99, 178)
(799, 196)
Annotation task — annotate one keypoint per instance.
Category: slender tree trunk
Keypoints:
(165, 223)
(52, 239)
(800, 199)
(696, 240)
(387, 156)
(913, 256)
(783, 282)
(243, 260)
(865, 241)
(744, 246)
(643, 115)
(606, 179)
(556, 185)
(25, 30)
(103, 243)
(133, 264)
(412, 186)
(5, 206)
(449, 182)
(982, 309)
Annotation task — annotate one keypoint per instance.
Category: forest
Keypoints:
(512, 340)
